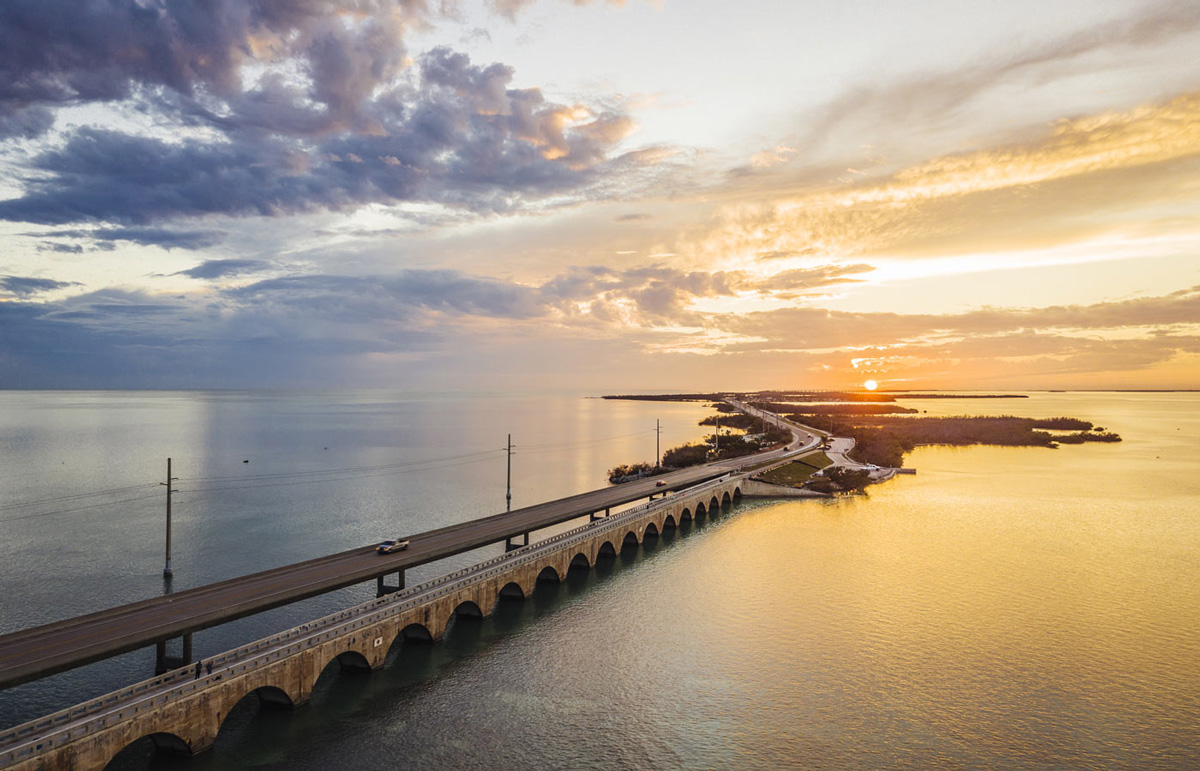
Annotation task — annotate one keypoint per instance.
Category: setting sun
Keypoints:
(870, 385)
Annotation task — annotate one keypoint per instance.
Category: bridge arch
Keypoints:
(468, 609)
(346, 659)
(160, 742)
(725, 499)
(713, 504)
(701, 510)
(512, 591)
(737, 493)
(669, 522)
(416, 632)
(606, 549)
(580, 562)
(685, 515)
(630, 539)
(549, 575)
(236, 710)
(651, 531)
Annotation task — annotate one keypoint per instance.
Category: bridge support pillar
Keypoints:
(164, 662)
(511, 543)
(382, 587)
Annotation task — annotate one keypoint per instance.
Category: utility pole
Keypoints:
(167, 572)
(657, 443)
(508, 491)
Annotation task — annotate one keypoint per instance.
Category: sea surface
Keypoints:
(1004, 608)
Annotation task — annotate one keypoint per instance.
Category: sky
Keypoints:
(599, 196)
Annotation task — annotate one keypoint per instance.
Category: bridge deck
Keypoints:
(43, 650)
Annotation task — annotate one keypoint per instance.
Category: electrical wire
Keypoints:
(76, 496)
(256, 486)
(349, 469)
(256, 481)
(78, 508)
(561, 445)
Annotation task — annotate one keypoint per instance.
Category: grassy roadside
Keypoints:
(798, 471)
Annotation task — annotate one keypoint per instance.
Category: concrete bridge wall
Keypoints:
(187, 714)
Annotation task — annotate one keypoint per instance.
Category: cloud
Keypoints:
(279, 108)
(927, 99)
(210, 269)
(816, 328)
(50, 246)
(56, 52)
(302, 325)
(25, 122)
(1041, 191)
(510, 8)
(161, 237)
(24, 286)
(460, 137)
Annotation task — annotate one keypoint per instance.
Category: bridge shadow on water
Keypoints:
(263, 727)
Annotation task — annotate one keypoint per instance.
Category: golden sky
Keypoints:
(604, 196)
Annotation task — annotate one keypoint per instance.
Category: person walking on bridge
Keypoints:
(198, 670)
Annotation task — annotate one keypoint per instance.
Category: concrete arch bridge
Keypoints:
(183, 712)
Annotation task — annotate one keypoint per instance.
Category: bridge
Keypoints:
(44, 650)
(183, 710)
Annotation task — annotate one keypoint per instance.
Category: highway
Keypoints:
(43, 650)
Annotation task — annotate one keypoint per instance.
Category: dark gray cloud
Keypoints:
(354, 299)
(223, 268)
(353, 124)
(161, 237)
(24, 287)
(58, 52)
(461, 139)
(50, 246)
(25, 122)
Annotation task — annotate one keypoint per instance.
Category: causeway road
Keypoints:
(44, 650)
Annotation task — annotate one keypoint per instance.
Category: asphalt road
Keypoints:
(43, 650)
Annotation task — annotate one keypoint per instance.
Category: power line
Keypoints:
(429, 466)
(349, 469)
(74, 497)
(78, 508)
(562, 445)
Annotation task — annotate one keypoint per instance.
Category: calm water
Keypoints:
(1004, 608)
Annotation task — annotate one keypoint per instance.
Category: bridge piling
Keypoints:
(382, 587)
(164, 662)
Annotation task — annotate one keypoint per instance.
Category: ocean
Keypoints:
(1006, 608)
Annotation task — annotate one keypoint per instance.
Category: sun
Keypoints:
(870, 385)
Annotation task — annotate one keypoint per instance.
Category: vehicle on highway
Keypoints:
(660, 483)
(391, 545)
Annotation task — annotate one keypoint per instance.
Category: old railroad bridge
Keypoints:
(183, 711)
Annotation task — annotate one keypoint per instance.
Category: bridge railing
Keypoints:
(182, 682)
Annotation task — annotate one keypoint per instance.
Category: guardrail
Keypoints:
(161, 690)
